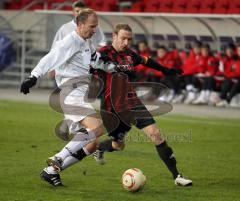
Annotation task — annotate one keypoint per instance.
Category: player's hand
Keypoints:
(27, 84)
(110, 67)
(172, 71)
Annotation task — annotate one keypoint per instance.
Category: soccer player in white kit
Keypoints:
(98, 40)
(72, 57)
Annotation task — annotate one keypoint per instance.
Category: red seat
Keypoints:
(96, 5)
(194, 6)
(234, 7)
(180, 6)
(151, 5)
(166, 6)
(222, 6)
(208, 6)
(136, 7)
(109, 5)
(14, 4)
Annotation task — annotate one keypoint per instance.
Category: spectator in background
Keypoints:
(231, 71)
(190, 69)
(170, 60)
(206, 68)
(142, 72)
(174, 51)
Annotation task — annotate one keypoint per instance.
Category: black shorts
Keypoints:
(142, 118)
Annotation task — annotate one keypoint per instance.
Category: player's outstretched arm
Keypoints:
(166, 71)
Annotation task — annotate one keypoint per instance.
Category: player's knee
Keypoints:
(98, 131)
(154, 135)
(91, 147)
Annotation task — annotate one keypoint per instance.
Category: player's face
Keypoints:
(76, 11)
(122, 40)
(88, 28)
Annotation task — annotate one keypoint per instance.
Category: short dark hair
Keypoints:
(162, 47)
(119, 27)
(143, 41)
(197, 43)
(206, 46)
(84, 14)
(79, 4)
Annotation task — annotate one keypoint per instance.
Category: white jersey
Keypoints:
(71, 56)
(98, 39)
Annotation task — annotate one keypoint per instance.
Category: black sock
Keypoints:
(106, 145)
(80, 154)
(166, 154)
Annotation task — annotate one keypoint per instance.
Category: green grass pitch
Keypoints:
(207, 150)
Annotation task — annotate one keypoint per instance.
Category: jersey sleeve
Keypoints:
(58, 36)
(138, 59)
(57, 56)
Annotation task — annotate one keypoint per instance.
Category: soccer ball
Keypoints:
(133, 179)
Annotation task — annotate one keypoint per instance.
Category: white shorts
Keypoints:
(74, 103)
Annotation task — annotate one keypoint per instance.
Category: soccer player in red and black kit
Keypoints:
(119, 98)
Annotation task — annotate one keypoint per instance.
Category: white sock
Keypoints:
(79, 141)
(50, 170)
(70, 160)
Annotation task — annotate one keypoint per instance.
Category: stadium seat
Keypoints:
(207, 6)
(88, 3)
(221, 7)
(190, 38)
(140, 37)
(226, 39)
(194, 6)
(151, 5)
(206, 39)
(180, 6)
(172, 37)
(97, 5)
(234, 7)
(109, 5)
(158, 37)
(166, 6)
(136, 7)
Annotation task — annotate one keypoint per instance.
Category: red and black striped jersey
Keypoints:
(118, 93)
(126, 61)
